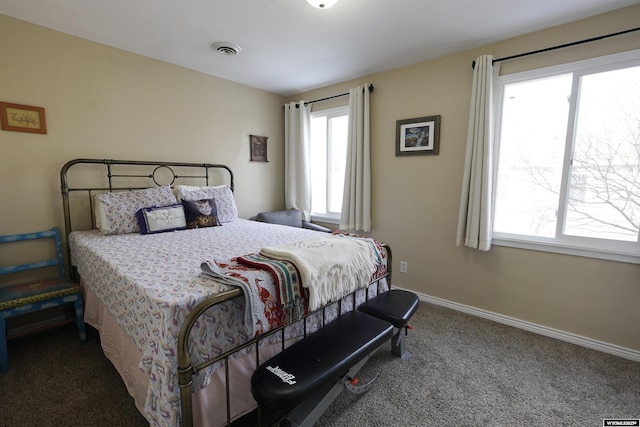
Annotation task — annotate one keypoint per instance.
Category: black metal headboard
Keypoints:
(96, 176)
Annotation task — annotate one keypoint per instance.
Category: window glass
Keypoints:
(318, 164)
(338, 156)
(533, 136)
(604, 191)
(568, 159)
(328, 160)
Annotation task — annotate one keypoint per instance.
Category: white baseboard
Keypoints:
(535, 328)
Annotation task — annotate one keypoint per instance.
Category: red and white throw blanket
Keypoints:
(293, 298)
(263, 309)
(276, 281)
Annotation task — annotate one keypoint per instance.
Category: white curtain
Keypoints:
(476, 202)
(297, 172)
(356, 199)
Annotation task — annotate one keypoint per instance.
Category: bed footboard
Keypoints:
(186, 369)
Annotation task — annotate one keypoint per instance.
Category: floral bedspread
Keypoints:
(150, 282)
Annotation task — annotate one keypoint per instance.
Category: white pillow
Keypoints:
(116, 212)
(225, 202)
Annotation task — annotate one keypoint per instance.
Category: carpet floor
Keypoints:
(465, 371)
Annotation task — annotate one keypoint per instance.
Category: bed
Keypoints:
(182, 341)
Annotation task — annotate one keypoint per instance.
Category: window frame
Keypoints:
(566, 244)
(329, 113)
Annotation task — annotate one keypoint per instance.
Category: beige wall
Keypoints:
(416, 199)
(106, 103)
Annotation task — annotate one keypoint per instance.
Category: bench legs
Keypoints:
(398, 343)
(311, 409)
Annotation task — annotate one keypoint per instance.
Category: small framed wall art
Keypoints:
(22, 118)
(418, 136)
(258, 148)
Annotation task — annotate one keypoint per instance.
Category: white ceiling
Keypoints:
(288, 46)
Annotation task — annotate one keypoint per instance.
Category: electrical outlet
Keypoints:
(403, 266)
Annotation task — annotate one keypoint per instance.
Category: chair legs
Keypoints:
(4, 355)
(77, 304)
(79, 314)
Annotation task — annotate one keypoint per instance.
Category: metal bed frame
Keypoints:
(200, 174)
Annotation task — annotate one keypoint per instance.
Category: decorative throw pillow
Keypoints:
(116, 212)
(158, 220)
(201, 213)
(225, 202)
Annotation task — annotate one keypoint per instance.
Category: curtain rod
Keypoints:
(533, 52)
(330, 97)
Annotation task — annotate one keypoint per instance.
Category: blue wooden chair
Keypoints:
(28, 297)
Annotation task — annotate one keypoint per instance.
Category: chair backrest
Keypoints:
(46, 234)
(291, 217)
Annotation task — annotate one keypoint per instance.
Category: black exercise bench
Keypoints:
(310, 374)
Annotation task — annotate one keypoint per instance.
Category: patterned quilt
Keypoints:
(150, 282)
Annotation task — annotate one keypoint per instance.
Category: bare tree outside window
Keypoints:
(606, 158)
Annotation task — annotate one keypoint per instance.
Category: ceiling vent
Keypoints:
(225, 48)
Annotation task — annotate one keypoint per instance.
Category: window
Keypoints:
(328, 161)
(568, 159)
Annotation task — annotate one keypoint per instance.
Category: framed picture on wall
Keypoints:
(418, 136)
(22, 118)
(258, 148)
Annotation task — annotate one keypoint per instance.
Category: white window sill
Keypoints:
(568, 249)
